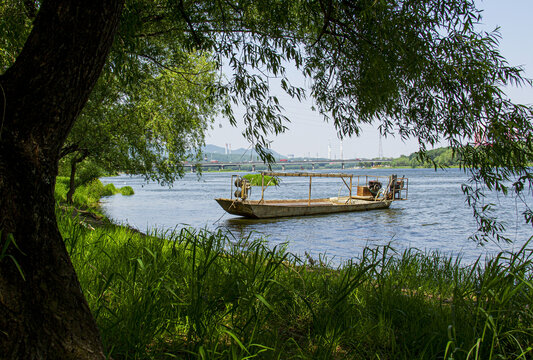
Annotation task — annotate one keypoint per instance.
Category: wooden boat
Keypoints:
(371, 195)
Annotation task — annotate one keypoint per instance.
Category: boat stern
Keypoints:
(236, 207)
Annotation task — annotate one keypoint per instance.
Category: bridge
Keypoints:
(284, 164)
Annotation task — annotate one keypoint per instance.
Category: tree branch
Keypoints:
(68, 150)
(180, 73)
(188, 21)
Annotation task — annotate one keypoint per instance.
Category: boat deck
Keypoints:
(312, 202)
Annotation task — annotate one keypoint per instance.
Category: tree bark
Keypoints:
(44, 314)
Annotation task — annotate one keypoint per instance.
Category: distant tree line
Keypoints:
(441, 157)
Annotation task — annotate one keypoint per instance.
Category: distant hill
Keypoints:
(213, 149)
(214, 152)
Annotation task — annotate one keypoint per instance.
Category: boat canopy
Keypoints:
(368, 187)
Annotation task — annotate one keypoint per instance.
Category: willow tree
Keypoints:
(418, 68)
(149, 126)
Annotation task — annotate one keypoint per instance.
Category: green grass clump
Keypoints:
(201, 294)
(87, 196)
(126, 190)
(109, 190)
(256, 179)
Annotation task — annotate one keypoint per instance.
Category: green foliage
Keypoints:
(257, 180)
(87, 172)
(154, 118)
(440, 157)
(15, 25)
(203, 295)
(87, 195)
(126, 190)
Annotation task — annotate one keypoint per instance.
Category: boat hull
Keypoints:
(283, 208)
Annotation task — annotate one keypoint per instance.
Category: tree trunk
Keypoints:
(72, 183)
(43, 313)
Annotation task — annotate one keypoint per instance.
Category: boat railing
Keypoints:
(367, 187)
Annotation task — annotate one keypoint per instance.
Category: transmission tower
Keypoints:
(380, 150)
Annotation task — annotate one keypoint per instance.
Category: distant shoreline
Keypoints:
(278, 168)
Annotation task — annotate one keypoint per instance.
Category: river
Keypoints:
(435, 217)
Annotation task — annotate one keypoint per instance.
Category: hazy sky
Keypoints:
(308, 135)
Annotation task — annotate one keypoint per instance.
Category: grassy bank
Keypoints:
(87, 195)
(198, 294)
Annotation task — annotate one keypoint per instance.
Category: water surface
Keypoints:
(435, 217)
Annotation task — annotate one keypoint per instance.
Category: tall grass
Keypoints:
(201, 294)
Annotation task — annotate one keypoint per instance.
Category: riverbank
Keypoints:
(201, 294)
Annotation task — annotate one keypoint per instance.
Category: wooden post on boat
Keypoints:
(231, 187)
(310, 180)
(350, 188)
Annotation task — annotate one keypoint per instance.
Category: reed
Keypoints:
(201, 294)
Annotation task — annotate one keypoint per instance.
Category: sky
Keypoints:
(309, 136)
